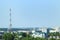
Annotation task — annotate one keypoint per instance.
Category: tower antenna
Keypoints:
(10, 25)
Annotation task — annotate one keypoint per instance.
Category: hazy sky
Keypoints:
(30, 13)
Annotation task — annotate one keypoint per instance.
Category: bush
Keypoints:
(8, 36)
(52, 39)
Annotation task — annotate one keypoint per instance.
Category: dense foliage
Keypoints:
(8, 36)
(24, 36)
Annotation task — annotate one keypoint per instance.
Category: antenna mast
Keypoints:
(10, 25)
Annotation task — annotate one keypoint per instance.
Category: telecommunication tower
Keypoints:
(10, 24)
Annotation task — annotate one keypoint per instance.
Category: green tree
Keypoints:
(8, 36)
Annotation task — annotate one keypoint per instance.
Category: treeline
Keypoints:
(25, 36)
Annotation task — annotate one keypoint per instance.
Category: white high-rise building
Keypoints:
(56, 29)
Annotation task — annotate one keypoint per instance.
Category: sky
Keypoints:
(30, 13)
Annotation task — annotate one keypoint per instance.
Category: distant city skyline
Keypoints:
(30, 13)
